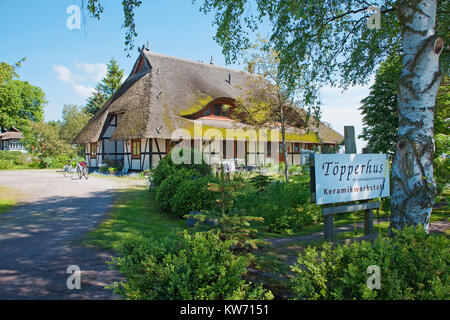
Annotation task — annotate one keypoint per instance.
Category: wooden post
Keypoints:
(368, 214)
(350, 140)
(312, 177)
(368, 222)
(328, 228)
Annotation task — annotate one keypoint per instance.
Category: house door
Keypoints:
(282, 159)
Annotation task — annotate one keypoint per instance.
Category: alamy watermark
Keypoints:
(74, 280)
(374, 20)
(374, 279)
(74, 20)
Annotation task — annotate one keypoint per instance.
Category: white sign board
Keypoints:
(351, 177)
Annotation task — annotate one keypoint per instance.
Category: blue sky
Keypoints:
(67, 64)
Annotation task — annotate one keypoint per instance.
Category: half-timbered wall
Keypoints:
(152, 151)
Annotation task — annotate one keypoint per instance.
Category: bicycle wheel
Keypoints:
(67, 171)
(86, 173)
(79, 172)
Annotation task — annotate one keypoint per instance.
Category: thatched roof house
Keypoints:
(164, 94)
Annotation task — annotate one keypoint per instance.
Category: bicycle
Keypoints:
(80, 168)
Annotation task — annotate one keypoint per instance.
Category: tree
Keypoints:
(95, 8)
(266, 101)
(113, 79)
(330, 42)
(441, 121)
(74, 120)
(336, 42)
(43, 140)
(20, 102)
(380, 108)
(106, 88)
(96, 101)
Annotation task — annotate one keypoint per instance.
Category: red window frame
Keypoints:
(136, 155)
(93, 151)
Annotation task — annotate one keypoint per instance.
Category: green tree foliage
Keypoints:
(43, 140)
(380, 108)
(95, 8)
(113, 79)
(74, 120)
(96, 101)
(413, 266)
(196, 267)
(330, 42)
(106, 88)
(266, 100)
(20, 102)
(441, 120)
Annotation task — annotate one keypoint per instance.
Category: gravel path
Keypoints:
(38, 238)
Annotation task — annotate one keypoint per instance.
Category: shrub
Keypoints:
(285, 207)
(23, 159)
(196, 267)
(6, 164)
(441, 173)
(166, 167)
(10, 155)
(413, 265)
(167, 189)
(192, 195)
(104, 169)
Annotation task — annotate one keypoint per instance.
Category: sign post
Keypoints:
(338, 178)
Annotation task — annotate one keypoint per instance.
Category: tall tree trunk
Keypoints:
(413, 187)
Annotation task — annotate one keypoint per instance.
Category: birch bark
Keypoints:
(413, 187)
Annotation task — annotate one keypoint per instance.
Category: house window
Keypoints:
(269, 149)
(136, 148)
(297, 148)
(94, 149)
(224, 152)
(217, 109)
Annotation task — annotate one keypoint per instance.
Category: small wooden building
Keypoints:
(10, 140)
(165, 95)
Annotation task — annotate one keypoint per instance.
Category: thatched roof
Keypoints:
(12, 133)
(156, 100)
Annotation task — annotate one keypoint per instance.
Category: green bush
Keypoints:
(192, 195)
(285, 207)
(168, 187)
(6, 164)
(166, 167)
(413, 265)
(441, 173)
(10, 155)
(104, 169)
(196, 267)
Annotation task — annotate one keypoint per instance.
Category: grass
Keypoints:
(135, 212)
(8, 198)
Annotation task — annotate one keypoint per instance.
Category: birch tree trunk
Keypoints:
(413, 187)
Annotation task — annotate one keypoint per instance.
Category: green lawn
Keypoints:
(135, 212)
(8, 198)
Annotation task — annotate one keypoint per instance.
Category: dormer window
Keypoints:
(217, 109)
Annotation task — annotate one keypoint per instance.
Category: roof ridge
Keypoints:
(150, 53)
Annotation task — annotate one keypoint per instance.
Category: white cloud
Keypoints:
(83, 91)
(95, 71)
(85, 79)
(64, 74)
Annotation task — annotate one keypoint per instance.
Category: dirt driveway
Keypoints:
(38, 238)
